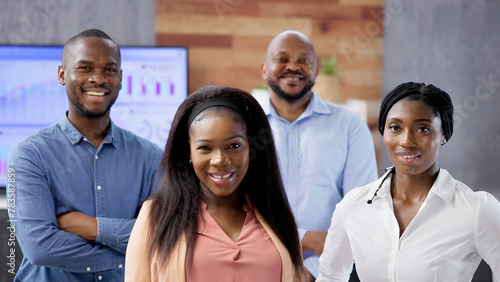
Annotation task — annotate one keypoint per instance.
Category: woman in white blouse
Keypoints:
(416, 223)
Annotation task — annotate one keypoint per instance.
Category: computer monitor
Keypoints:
(154, 84)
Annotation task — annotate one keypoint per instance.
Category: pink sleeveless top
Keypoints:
(253, 257)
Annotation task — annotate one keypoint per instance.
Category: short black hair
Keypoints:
(436, 98)
(93, 32)
(90, 33)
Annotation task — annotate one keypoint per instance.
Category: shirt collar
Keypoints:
(316, 105)
(76, 136)
(443, 187)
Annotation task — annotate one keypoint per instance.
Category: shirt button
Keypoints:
(85, 139)
(99, 187)
(120, 266)
(99, 277)
(88, 269)
(96, 157)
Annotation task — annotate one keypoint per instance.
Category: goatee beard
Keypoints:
(287, 97)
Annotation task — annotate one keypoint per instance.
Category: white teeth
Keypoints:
(292, 78)
(95, 93)
(409, 157)
(221, 176)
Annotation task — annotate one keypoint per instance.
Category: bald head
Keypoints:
(290, 67)
(289, 35)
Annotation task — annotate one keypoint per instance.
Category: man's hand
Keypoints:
(314, 241)
(309, 276)
(79, 224)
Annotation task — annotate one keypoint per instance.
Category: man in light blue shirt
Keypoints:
(79, 182)
(324, 150)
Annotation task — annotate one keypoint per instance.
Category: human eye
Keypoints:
(280, 59)
(83, 68)
(235, 146)
(111, 70)
(203, 148)
(424, 129)
(305, 61)
(394, 127)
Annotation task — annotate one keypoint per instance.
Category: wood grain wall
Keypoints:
(227, 39)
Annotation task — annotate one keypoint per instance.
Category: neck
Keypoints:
(290, 110)
(234, 201)
(413, 187)
(95, 129)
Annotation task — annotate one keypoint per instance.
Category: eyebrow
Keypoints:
(417, 120)
(85, 62)
(286, 53)
(227, 139)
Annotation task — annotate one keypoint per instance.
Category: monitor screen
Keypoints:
(154, 84)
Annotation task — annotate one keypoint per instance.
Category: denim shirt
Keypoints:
(325, 153)
(58, 170)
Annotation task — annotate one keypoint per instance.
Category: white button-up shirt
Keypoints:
(453, 229)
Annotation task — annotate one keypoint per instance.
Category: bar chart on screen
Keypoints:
(154, 84)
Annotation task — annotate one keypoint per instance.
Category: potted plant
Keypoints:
(327, 80)
(261, 93)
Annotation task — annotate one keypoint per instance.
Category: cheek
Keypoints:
(387, 141)
(245, 160)
(198, 165)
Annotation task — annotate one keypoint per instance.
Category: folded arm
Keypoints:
(37, 228)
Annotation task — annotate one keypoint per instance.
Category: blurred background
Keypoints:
(366, 48)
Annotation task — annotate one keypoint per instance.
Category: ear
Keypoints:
(190, 161)
(263, 71)
(121, 75)
(61, 73)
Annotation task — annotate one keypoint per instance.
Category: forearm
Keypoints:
(314, 241)
(37, 229)
(44, 244)
(114, 232)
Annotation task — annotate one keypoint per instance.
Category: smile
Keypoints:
(292, 78)
(408, 158)
(221, 176)
(93, 93)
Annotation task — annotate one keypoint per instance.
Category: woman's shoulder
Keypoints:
(361, 193)
(464, 192)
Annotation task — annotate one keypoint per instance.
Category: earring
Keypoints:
(443, 142)
(190, 162)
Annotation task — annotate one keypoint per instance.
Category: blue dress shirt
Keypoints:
(58, 170)
(323, 154)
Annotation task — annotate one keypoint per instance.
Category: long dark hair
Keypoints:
(175, 207)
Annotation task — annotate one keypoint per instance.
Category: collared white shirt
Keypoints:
(453, 229)
(323, 154)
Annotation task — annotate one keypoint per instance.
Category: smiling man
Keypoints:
(324, 150)
(79, 182)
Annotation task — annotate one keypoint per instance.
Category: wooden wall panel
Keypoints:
(227, 39)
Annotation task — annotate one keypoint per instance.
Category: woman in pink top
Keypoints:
(221, 213)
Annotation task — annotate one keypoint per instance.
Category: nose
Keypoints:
(98, 77)
(220, 159)
(407, 139)
(293, 66)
